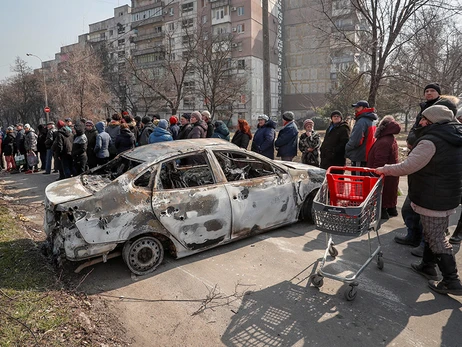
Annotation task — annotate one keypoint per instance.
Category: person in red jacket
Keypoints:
(385, 151)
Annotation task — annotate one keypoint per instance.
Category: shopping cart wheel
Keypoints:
(333, 251)
(380, 263)
(317, 280)
(350, 293)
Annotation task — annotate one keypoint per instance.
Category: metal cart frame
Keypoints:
(348, 205)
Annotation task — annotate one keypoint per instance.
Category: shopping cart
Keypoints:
(348, 203)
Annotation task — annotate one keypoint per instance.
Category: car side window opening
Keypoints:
(144, 179)
(239, 166)
(185, 172)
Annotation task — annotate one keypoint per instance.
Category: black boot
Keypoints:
(451, 282)
(392, 212)
(427, 267)
(384, 214)
(456, 237)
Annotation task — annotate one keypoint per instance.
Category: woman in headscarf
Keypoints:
(309, 144)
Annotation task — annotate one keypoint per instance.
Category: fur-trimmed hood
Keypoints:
(387, 126)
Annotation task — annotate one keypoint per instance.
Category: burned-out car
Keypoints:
(180, 196)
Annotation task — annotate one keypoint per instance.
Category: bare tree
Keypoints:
(220, 79)
(21, 96)
(78, 89)
(384, 27)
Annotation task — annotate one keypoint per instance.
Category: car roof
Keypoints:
(150, 152)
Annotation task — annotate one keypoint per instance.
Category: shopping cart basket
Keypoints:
(348, 203)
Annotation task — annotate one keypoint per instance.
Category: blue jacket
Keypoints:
(355, 149)
(103, 141)
(160, 135)
(287, 140)
(263, 140)
(174, 130)
(221, 131)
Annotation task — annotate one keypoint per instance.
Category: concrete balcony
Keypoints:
(148, 36)
(154, 49)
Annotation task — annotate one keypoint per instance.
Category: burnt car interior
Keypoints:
(185, 172)
(238, 166)
(110, 171)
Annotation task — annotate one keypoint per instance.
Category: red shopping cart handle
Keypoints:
(354, 169)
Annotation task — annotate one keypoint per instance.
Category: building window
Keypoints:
(221, 13)
(188, 86)
(189, 103)
(241, 64)
(185, 39)
(171, 26)
(121, 42)
(240, 28)
(102, 36)
(158, 29)
(171, 11)
(121, 54)
(120, 28)
(111, 32)
(187, 7)
(204, 19)
(187, 23)
(186, 55)
(240, 11)
(121, 14)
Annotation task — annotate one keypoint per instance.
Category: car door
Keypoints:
(190, 203)
(262, 195)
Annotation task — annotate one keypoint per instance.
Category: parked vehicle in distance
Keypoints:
(180, 196)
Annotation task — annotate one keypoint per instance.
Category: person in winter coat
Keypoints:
(8, 149)
(62, 148)
(413, 237)
(336, 137)
(385, 151)
(91, 133)
(362, 135)
(199, 127)
(30, 144)
(79, 150)
(125, 140)
(160, 133)
(309, 144)
(263, 140)
(210, 128)
(286, 143)
(174, 128)
(103, 142)
(113, 129)
(19, 145)
(243, 135)
(148, 128)
(221, 131)
(434, 169)
(41, 147)
(185, 127)
(131, 125)
(51, 136)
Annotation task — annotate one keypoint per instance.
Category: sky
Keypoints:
(41, 27)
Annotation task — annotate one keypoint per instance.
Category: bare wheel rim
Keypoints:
(145, 254)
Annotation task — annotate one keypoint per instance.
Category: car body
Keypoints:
(182, 196)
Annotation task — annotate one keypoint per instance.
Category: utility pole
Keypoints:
(266, 61)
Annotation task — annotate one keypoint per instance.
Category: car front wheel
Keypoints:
(143, 255)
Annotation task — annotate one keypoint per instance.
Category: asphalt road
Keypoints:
(256, 292)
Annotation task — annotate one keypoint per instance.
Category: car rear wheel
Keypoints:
(306, 212)
(143, 255)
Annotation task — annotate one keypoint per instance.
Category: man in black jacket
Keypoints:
(333, 146)
(20, 147)
(50, 138)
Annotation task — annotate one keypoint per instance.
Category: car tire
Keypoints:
(306, 212)
(143, 255)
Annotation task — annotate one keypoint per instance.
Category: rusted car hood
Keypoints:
(66, 190)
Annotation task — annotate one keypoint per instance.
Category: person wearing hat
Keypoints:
(19, 146)
(30, 144)
(185, 127)
(8, 148)
(336, 137)
(434, 170)
(210, 127)
(362, 135)
(199, 127)
(160, 133)
(309, 144)
(174, 128)
(91, 133)
(286, 142)
(413, 237)
(221, 131)
(62, 150)
(263, 140)
(147, 129)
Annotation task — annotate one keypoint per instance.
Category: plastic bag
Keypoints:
(32, 159)
(19, 159)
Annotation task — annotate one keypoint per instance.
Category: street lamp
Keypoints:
(44, 85)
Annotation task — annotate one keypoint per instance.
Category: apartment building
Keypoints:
(314, 54)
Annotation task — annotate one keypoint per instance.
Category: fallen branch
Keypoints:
(23, 324)
(83, 279)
